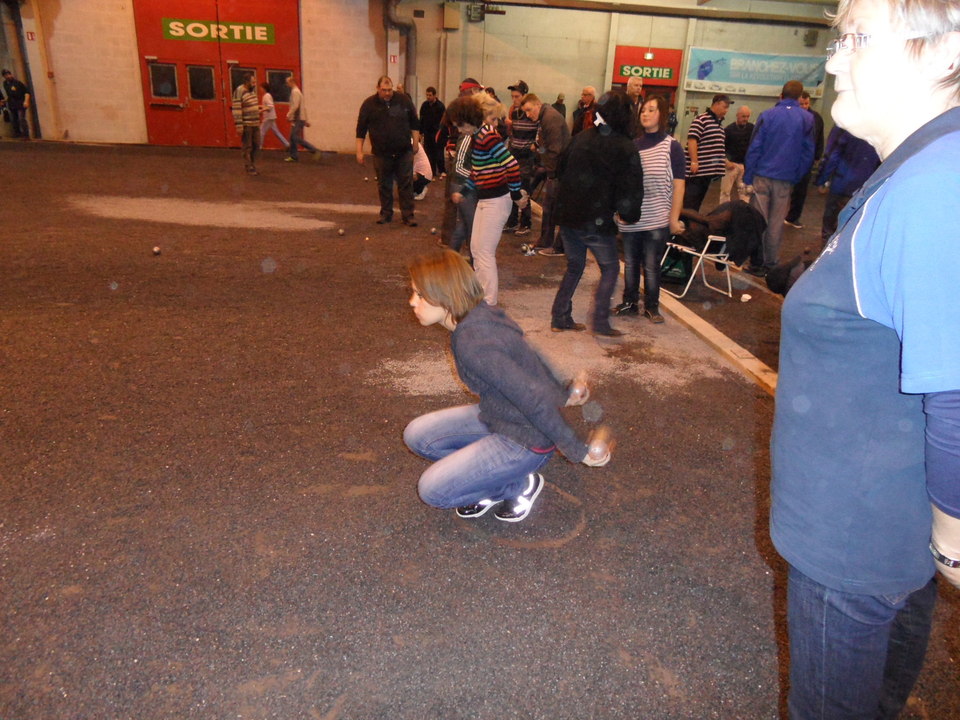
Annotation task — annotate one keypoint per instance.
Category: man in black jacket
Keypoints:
(431, 112)
(391, 119)
(599, 175)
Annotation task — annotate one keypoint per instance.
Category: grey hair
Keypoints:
(933, 18)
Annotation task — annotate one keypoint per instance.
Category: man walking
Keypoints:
(706, 152)
(599, 176)
(391, 119)
(799, 195)
(18, 103)
(297, 115)
(737, 140)
(585, 113)
(522, 133)
(780, 153)
(246, 116)
(634, 90)
(431, 113)
(552, 137)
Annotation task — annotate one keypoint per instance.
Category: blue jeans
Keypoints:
(772, 198)
(851, 655)
(296, 139)
(466, 209)
(643, 249)
(470, 462)
(604, 249)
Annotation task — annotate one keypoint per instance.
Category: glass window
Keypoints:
(163, 80)
(236, 76)
(278, 84)
(201, 82)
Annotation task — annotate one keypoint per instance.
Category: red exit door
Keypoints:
(194, 53)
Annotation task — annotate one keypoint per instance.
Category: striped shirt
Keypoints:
(245, 106)
(662, 159)
(494, 171)
(707, 130)
(523, 132)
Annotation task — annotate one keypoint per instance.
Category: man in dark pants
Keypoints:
(522, 133)
(431, 112)
(799, 195)
(18, 103)
(450, 233)
(600, 176)
(394, 131)
(246, 116)
(552, 138)
(706, 152)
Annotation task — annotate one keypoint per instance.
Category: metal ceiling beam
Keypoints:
(669, 11)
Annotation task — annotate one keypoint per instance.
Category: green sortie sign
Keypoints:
(206, 31)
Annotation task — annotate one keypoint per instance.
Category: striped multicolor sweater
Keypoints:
(495, 171)
(245, 106)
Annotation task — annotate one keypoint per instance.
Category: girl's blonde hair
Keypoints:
(445, 279)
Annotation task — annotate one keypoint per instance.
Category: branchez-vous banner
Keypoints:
(728, 71)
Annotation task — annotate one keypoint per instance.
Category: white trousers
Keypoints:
(491, 216)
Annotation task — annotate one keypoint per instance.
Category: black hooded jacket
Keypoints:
(600, 173)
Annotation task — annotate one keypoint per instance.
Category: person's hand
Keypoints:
(748, 190)
(360, 157)
(599, 448)
(456, 197)
(593, 461)
(524, 199)
(823, 189)
(694, 166)
(579, 391)
(677, 227)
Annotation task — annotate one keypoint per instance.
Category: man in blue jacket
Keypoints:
(847, 164)
(780, 154)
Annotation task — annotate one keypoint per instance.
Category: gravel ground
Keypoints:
(206, 508)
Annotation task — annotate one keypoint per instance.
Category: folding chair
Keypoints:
(714, 251)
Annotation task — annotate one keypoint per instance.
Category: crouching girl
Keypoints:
(487, 456)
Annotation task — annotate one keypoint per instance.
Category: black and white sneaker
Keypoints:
(517, 509)
(477, 509)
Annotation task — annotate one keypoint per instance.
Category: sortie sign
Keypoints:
(207, 31)
(661, 69)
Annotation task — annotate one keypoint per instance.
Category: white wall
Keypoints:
(342, 55)
(90, 48)
(95, 92)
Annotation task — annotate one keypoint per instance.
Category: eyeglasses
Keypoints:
(851, 42)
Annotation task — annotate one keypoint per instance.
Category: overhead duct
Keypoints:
(409, 29)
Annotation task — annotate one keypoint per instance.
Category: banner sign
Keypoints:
(207, 31)
(661, 67)
(727, 71)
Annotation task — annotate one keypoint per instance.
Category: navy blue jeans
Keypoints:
(466, 209)
(604, 249)
(851, 655)
(297, 140)
(644, 250)
(471, 463)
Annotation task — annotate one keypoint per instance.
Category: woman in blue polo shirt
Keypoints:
(866, 439)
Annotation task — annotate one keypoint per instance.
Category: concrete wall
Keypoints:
(85, 70)
(343, 52)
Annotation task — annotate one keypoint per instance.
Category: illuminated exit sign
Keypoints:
(207, 31)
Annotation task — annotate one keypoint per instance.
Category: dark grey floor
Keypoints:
(207, 511)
